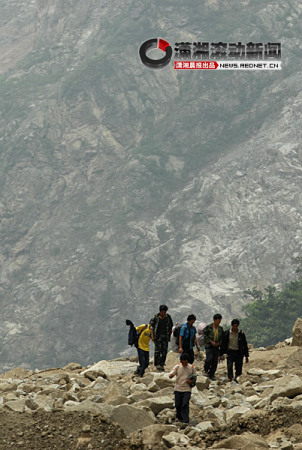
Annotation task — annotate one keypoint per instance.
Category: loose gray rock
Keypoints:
(152, 435)
(172, 439)
(16, 405)
(158, 404)
(130, 418)
(245, 441)
(235, 413)
(202, 382)
(109, 369)
(297, 333)
(288, 386)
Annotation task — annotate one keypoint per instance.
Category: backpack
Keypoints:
(133, 335)
(200, 334)
(175, 337)
(176, 332)
(194, 378)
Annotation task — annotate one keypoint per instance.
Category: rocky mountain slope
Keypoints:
(106, 406)
(122, 188)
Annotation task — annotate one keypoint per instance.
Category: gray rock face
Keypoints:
(104, 219)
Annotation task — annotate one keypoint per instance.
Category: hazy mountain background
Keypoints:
(123, 188)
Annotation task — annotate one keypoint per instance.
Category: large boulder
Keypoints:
(294, 432)
(245, 441)
(235, 413)
(217, 416)
(297, 333)
(117, 400)
(15, 405)
(6, 387)
(137, 397)
(44, 402)
(295, 359)
(157, 404)
(109, 369)
(205, 425)
(58, 377)
(89, 406)
(273, 373)
(162, 380)
(114, 389)
(288, 386)
(202, 382)
(172, 439)
(153, 387)
(253, 399)
(131, 419)
(296, 405)
(100, 384)
(152, 435)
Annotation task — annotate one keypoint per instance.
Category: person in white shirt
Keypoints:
(185, 375)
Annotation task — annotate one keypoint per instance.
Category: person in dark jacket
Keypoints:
(213, 334)
(187, 338)
(161, 330)
(234, 344)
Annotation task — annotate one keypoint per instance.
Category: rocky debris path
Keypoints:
(105, 406)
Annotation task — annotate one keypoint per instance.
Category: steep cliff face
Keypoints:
(123, 187)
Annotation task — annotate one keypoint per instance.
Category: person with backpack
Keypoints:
(234, 344)
(140, 337)
(175, 337)
(200, 334)
(185, 380)
(213, 335)
(143, 348)
(161, 329)
(187, 338)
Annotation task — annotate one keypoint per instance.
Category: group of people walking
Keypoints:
(217, 342)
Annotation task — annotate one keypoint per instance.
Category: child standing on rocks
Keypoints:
(185, 377)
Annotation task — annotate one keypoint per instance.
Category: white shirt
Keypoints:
(182, 374)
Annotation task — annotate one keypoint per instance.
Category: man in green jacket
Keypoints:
(213, 335)
(161, 329)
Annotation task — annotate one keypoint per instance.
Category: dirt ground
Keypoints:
(59, 430)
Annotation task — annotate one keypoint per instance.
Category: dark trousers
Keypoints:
(234, 357)
(182, 400)
(189, 351)
(160, 350)
(210, 364)
(143, 361)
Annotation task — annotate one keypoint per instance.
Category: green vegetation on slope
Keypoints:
(272, 314)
